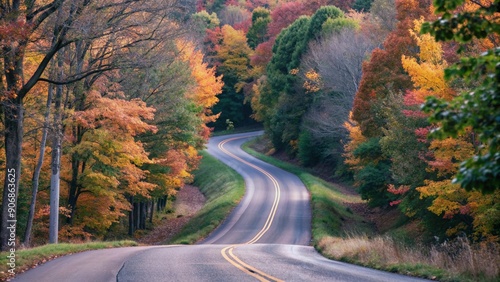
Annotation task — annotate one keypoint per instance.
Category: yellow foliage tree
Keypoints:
(355, 139)
(449, 199)
(427, 71)
(207, 85)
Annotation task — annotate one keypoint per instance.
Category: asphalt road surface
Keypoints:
(266, 238)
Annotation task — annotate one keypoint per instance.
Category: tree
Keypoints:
(203, 20)
(384, 72)
(384, 12)
(257, 33)
(26, 20)
(207, 84)
(478, 108)
(233, 15)
(281, 119)
(373, 176)
(286, 103)
(319, 18)
(281, 17)
(337, 60)
(362, 5)
(52, 23)
(233, 55)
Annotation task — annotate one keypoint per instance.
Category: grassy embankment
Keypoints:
(223, 187)
(339, 234)
(27, 258)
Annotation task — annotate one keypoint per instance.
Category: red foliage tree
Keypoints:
(384, 72)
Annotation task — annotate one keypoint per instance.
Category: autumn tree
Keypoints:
(34, 21)
(111, 158)
(384, 72)
(422, 168)
(478, 108)
(233, 57)
(383, 79)
(207, 85)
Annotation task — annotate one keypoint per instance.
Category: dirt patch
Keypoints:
(189, 200)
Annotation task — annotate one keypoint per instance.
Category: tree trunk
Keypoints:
(143, 215)
(36, 174)
(152, 211)
(137, 218)
(13, 114)
(131, 217)
(79, 105)
(56, 158)
(13, 120)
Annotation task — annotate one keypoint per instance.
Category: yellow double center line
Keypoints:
(227, 252)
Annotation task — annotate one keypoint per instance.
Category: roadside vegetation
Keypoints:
(341, 234)
(331, 215)
(29, 258)
(223, 188)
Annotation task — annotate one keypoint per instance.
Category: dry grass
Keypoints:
(460, 260)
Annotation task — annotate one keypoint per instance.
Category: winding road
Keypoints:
(265, 238)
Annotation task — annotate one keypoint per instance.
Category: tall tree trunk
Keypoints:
(143, 215)
(131, 228)
(36, 174)
(13, 142)
(79, 105)
(13, 133)
(136, 215)
(56, 157)
(152, 211)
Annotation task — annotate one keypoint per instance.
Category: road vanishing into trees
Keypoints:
(265, 238)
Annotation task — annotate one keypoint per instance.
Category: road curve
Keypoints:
(265, 239)
(275, 208)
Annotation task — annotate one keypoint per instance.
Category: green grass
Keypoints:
(330, 216)
(27, 258)
(223, 187)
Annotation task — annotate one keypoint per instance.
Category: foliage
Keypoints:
(203, 20)
(356, 138)
(235, 16)
(133, 105)
(307, 151)
(284, 105)
(478, 108)
(362, 5)
(320, 17)
(207, 85)
(232, 55)
(373, 177)
(336, 26)
(257, 33)
(384, 72)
